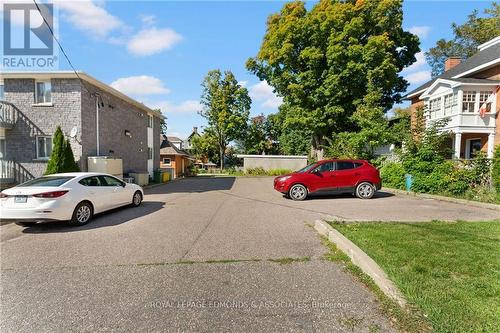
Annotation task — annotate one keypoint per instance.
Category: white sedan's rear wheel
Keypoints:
(298, 192)
(82, 214)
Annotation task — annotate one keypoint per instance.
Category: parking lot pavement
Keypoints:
(102, 276)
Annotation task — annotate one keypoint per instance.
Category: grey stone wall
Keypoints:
(32, 120)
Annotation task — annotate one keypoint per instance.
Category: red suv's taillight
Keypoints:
(55, 194)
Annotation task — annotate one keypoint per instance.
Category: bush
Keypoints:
(495, 174)
(61, 158)
(393, 175)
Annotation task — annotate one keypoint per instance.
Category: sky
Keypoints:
(158, 52)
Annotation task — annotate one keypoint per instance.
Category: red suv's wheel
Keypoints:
(298, 192)
(365, 190)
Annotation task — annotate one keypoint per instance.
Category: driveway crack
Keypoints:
(212, 218)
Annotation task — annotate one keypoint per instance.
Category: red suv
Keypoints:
(341, 176)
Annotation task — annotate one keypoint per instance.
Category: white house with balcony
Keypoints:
(467, 95)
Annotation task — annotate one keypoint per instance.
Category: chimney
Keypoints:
(195, 129)
(451, 62)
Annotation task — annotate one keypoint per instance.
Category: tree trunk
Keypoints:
(221, 158)
(316, 149)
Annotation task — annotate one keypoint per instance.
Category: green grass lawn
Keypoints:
(449, 270)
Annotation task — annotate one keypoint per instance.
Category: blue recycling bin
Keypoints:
(408, 182)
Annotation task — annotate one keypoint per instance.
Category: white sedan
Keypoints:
(73, 197)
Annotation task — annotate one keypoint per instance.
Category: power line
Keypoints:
(61, 48)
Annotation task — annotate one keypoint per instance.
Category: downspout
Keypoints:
(97, 122)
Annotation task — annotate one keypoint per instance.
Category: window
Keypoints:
(150, 121)
(483, 97)
(43, 147)
(90, 181)
(2, 148)
(328, 166)
(434, 107)
(469, 101)
(344, 165)
(110, 181)
(2, 91)
(450, 103)
(166, 161)
(150, 153)
(43, 92)
(50, 181)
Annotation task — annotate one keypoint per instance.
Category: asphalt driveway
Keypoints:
(200, 254)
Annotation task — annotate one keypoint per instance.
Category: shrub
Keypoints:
(393, 175)
(61, 158)
(495, 174)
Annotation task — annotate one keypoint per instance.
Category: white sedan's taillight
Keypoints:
(3, 195)
(54, 194)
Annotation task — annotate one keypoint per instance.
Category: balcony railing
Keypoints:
(11, 172)
(468, 119)
(7, 115)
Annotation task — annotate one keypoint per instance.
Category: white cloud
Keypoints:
(166, 107)
(421, 31)
(89, 17)
(148, 20)
(151, 41)
(140, 85)
(243, 83)
(420, 56)
(418, 77)
(262, 92)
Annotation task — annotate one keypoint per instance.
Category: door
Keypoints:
(346, 175)
(118, 194)
(323, 177)
(97, 192)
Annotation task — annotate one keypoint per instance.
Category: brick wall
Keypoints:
(72, 106)
(34, 120)
(115, 117)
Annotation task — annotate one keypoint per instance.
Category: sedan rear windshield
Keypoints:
(47, 181)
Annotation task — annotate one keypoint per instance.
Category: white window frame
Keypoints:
(434, 107)
(37, 102)
(46, 137)
(169, 161)
(150, 153)
(150, 121)
(485, 94)
(470, 97)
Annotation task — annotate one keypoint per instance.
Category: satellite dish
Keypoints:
(73, 132)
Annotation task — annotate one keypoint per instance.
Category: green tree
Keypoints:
(163, 121)
(205, 147)
(475, 31)
(69, 164)
(329, 61)
(61, 158)
(226, 106)
(255, 140)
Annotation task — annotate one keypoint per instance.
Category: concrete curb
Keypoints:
(447, 199)
(362, 260)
